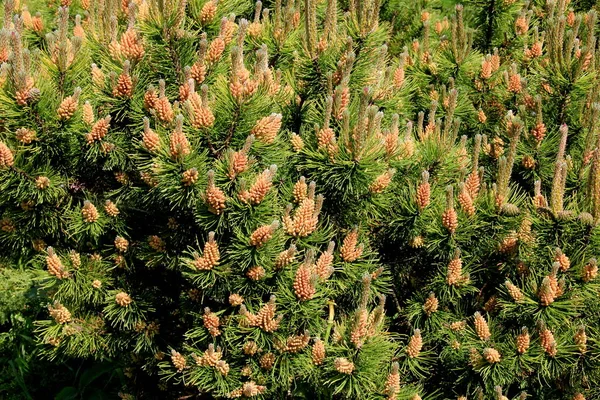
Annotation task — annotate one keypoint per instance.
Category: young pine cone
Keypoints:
(150, 138)
(580, 339)
(343, 365)
(59, 313)
(300, 190)
(382, 181)
(324, 265)
(285, 257)
(215, 50)
(111, 208)
(25, 136)
(123, 299)
(42, 182)
(415, 344)
(262, 234)
(124, 87)
(250, 348)
(450, 220)
(256, 273)
(267, 361)
(99, 130)
(211, 322)
(304, 285)
(547, 293)
(296, 343)
(491, 355)
(514, 292)
(87, 114)
(349, 250)
(523, 340)
(266, 128)
(562, 259)
(68, 106)
(296, 142)
(121, 243)
(235, 300)
(431, 304)
(89, 212)
(318, 352)
(590, 270)
(548, 342)
(481, 327)
(215, 198)
(6, 156)
(465, 200)
(178, 360)
(131, 45)
(454, 275)
(392, 383)
(189, 177)
(424, 192)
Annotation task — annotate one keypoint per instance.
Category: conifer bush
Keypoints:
(299, 199)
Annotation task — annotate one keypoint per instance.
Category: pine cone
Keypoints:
(431, 304)
(89, 212)
(481, 327)
(123, 299)
(179, 361)
(267, 361)
(450, 220)
(491, 355)
(343, 365)
(523, 341)
(415, 344)
(318, 352)
(266, 128)
(111, 208)
(6, 156)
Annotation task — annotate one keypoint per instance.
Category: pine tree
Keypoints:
(301, 199)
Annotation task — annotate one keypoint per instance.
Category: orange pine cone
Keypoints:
(466, 202)
(179, 361)
(131, 45)
(491, 355)
(262, 234)
(523, 341)
(124, 87)
(6, 156)
(431, 304)
(68, 106)
(189, 177)
(318, 352)
(89, 212)
(211, 322)
(547, 342)
(415, 345)
(514, 291)
(208, 12)
(178, 144)
(123, 299)
(481, 327)
(151, 140)
(454, 275)
(303, 283)
(266, 128)
(349, 250)
(111, 208)
(343, 365)
(215, 50)
(450, 220)
(99, 130)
